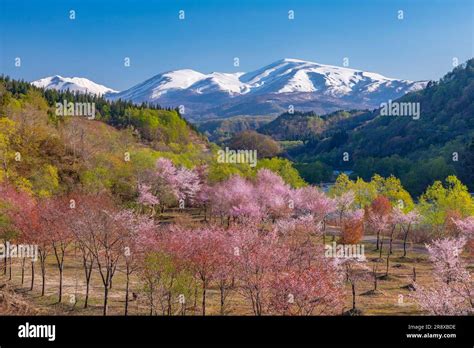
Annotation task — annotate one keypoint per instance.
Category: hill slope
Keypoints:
(418, 150)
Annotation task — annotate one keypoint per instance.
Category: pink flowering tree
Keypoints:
(132, 226)
(445, 254)
(259, 256)
(225, 273)
(309, 200)
(235, 199)
(18, 221)
(466, 226)
(406, 221)
(451, 291)
(442, 299)
(146, 197)
(354, 270)
(343, 204)
(272, 194)
(200, 249)
(168, 184)
(203, 196)
(315, 289)
(55, 215)
(97, 229)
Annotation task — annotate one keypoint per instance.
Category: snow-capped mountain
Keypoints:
(269, 90)
(74, 84)
(265, 91)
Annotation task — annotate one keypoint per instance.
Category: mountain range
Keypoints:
(270, 90)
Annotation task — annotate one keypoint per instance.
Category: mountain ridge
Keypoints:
(74, 84)
(268, 90)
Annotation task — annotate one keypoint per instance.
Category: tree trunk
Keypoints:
(169, 303)
(151, 305)
(391, 239)
(375, 277)
(60, 283)
(405, 238)
(88, 273)
(195, 298)
(23, 261)
(378, 239)
(353, 297)
(112, 275)
(59, 254)
(106, 298)
(10, 268)
(126, 291)
(381, 247)
(32, 275)
(5, 260)
(222, 288)
(388, 264)
(204, 298)
(86, 301)
(43, 276)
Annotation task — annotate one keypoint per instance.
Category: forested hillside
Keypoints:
(47, 154)
(308, 126)
(418, 151)
(220, 130)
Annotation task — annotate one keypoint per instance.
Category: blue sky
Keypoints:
(94, 45)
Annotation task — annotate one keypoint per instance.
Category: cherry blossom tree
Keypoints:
(272, 194)
(147, 198)
(451, 291)
(17, 218)
(235, 199)
(343, 204)
(406, 222)
(200, 248)
(309, 200)
(316, 289)
(203, 197)
(466, 226)
(54, 218)
(133, 226)
(225, 273)
(445, 254)
(96, 227)
(303, 224)
(355, 270)
(182, 183)
(441, 299)
(259, 257)
(163, 267)
(379, 219)
(187, 184)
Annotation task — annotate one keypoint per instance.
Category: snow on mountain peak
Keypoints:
(309, 85)
(74, 84)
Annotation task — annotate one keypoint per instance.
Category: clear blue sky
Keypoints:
(421, 46)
